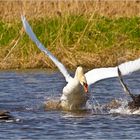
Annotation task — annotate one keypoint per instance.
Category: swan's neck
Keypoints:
(79, 76)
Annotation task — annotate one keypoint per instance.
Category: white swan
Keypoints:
(75, 93)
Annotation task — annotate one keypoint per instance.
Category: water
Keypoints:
(24, 92)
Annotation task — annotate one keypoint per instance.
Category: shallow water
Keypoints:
(24, 92)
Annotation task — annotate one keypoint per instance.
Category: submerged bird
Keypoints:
(75, 93)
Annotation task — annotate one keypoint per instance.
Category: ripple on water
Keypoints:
(24, 93)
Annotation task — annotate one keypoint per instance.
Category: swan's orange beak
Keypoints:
(86, 87)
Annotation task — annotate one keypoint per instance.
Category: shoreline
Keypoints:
(92, 61)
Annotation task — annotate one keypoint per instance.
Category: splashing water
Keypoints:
(124, 109)
(94, 105)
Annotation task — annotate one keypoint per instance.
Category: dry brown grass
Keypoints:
(10, 10)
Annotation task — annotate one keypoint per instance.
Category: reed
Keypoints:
(11, 10)
(75, 32)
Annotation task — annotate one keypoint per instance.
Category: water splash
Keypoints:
(124, 109)
(95, 105)
(52, 103)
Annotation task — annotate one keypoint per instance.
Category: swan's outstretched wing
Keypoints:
(103, 73)
(31, 34)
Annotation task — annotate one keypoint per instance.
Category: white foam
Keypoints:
(124, 109)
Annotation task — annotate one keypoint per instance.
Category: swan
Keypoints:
(76, 92)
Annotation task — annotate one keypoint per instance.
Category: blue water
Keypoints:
(23, 93)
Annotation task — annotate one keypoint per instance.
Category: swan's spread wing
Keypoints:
(99, 74)
(103, 73)
(31, 34)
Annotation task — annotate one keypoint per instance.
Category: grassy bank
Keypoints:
(87, 40)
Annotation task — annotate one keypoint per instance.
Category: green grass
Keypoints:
(8, 31)
(72, 33)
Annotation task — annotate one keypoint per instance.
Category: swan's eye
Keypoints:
(85, 87)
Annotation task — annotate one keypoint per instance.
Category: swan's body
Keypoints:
(75, 93)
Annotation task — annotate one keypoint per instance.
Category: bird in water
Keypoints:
(5, 115)
(76, 92)
(135, 103)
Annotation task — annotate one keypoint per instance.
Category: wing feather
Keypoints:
(104, 73)
(31, 34)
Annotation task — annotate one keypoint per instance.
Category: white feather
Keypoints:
(31, 34)
(104, 73)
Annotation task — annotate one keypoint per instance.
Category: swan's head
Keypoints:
(81, 77)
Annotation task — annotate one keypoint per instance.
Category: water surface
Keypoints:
(23, 94)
